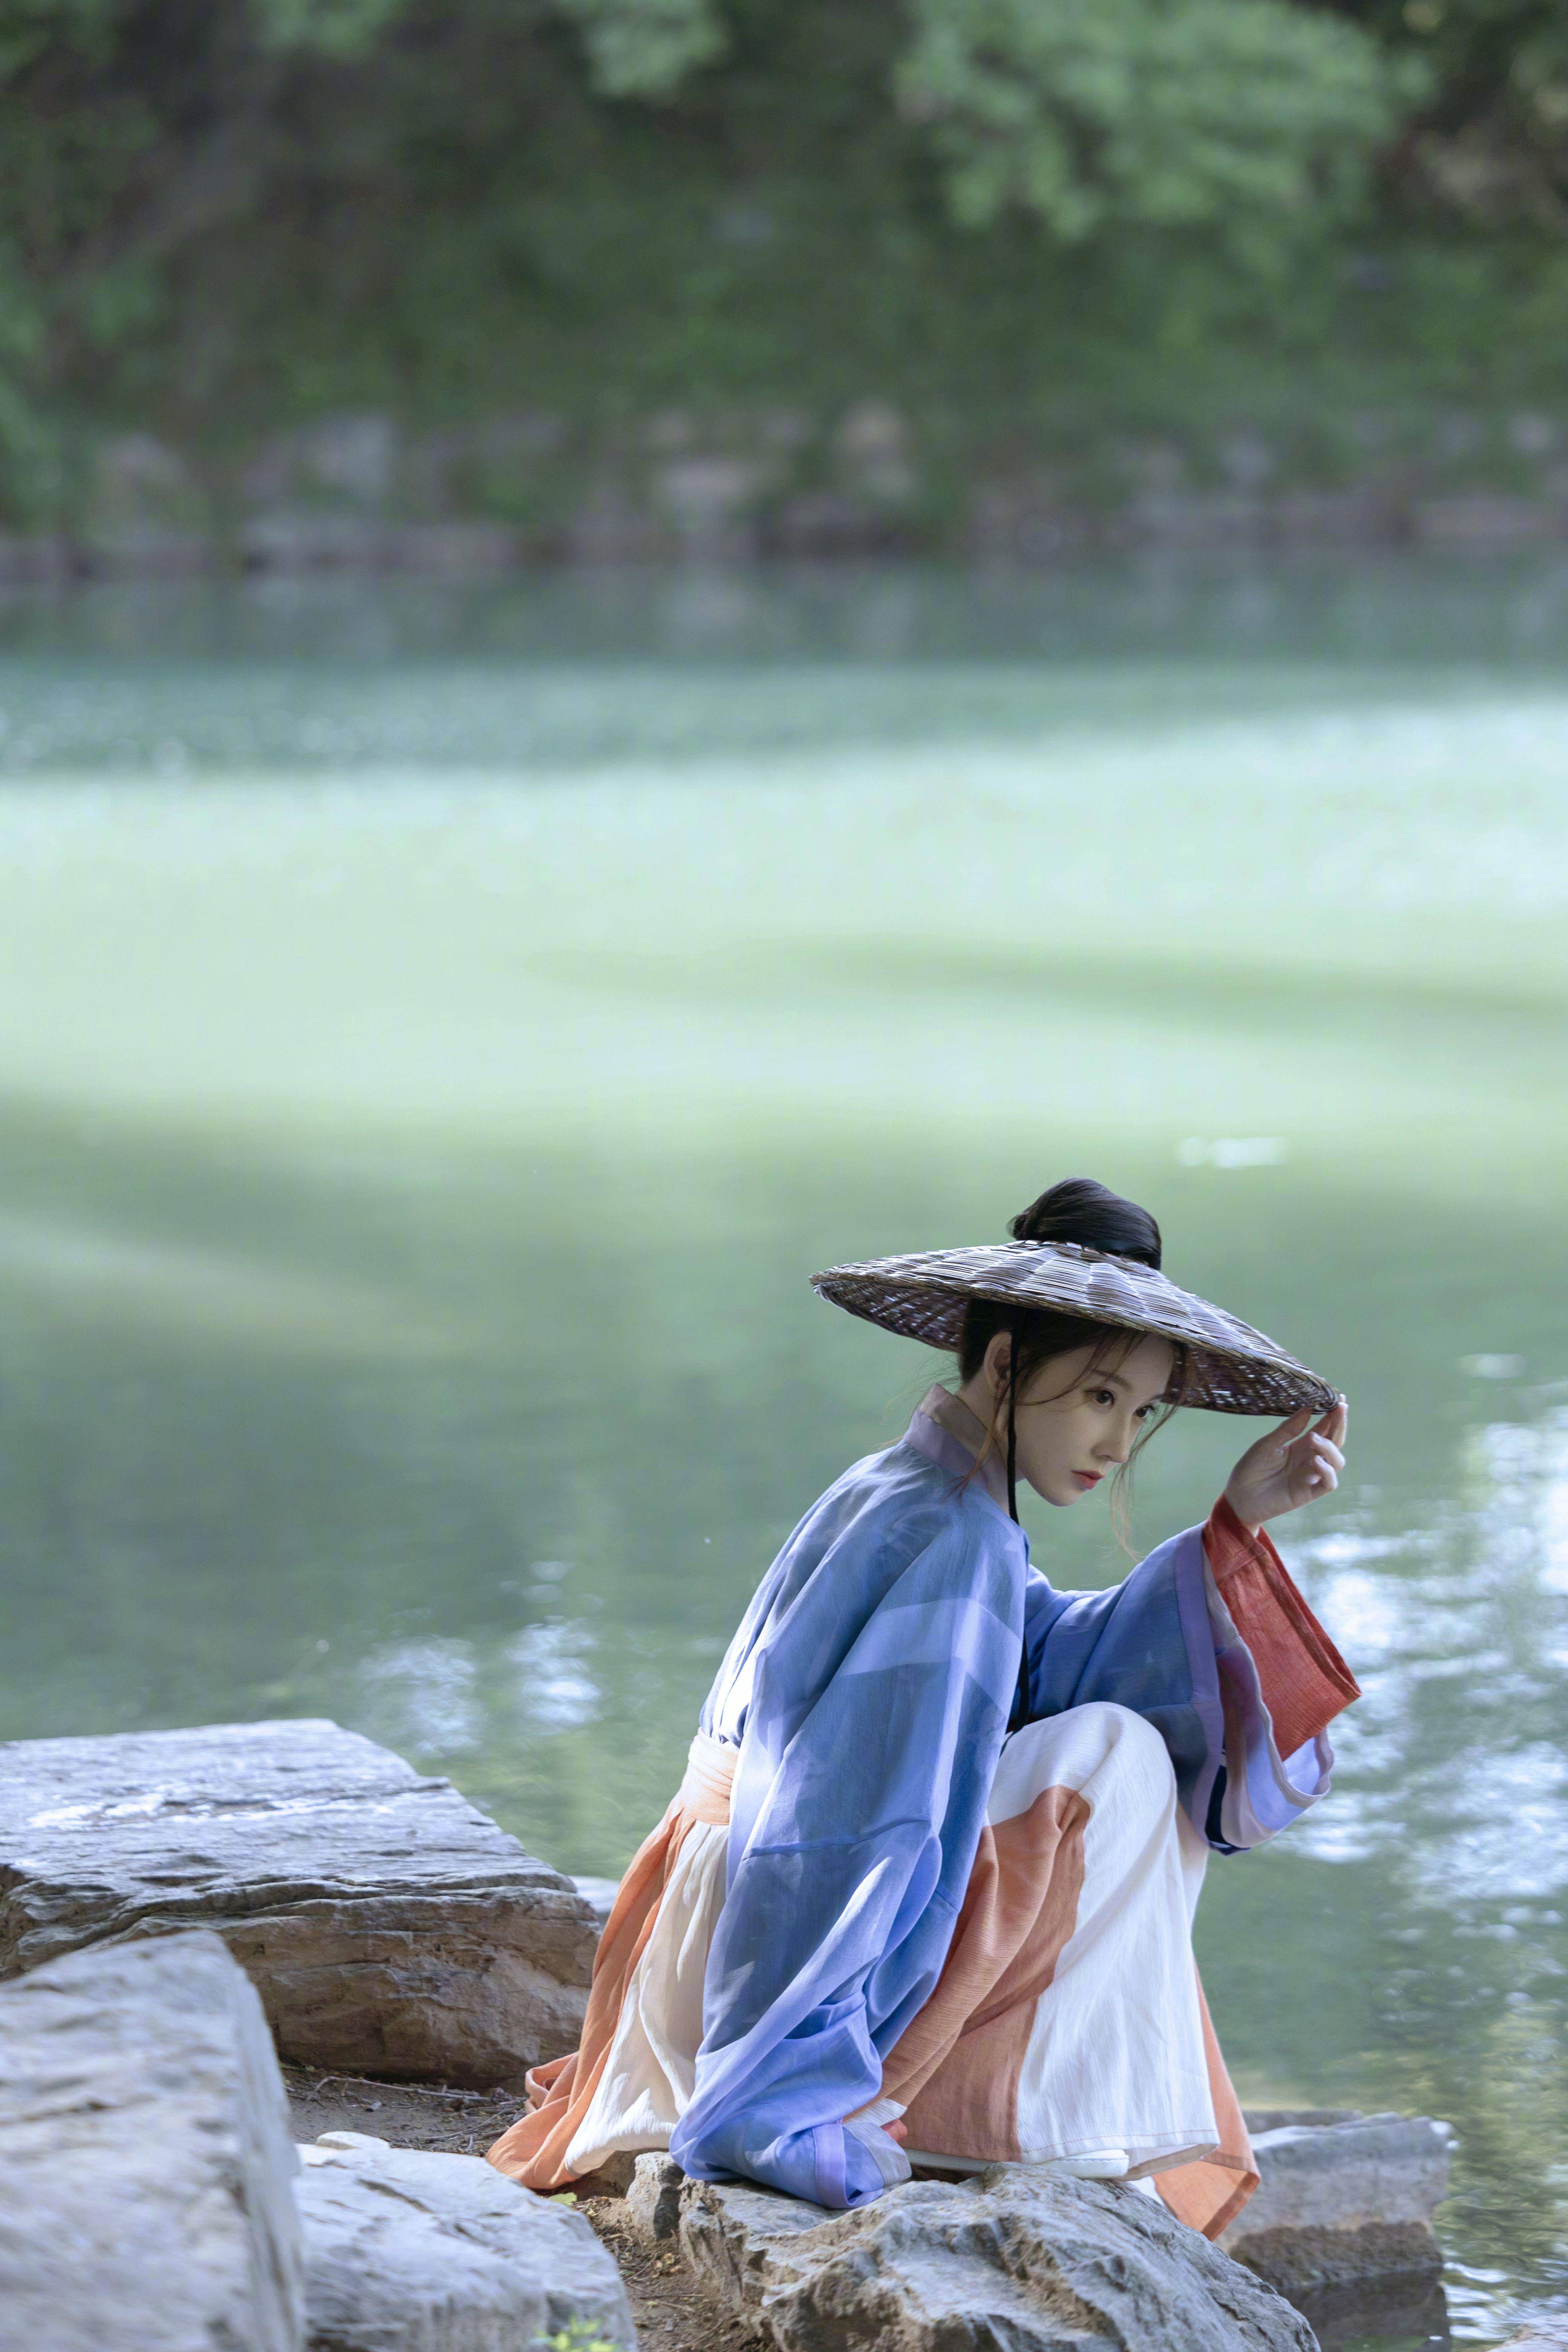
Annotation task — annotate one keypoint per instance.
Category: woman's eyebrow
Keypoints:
(1119, 1380)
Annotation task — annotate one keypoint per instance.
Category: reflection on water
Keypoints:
(407, 1195)
(1365, 607)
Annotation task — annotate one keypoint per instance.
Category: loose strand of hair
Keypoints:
(1121, 1485)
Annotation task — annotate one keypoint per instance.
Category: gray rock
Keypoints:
(1156, 467)
(1548, 2332)
(1030, 521)
(42, 559)
(1259, 2120)
(146, 2171)
(1343, 2202)
(1246, 460)
(873, 446)
(389, 1927)
(354, 455)
(610, 526)
(410, 2252)
(142, 551)
(872, 433)
(1015, 2260)
(1359, 517)
(709, 499)
(1458, 435)
(1531, 435)
(1486, 518)
(134, 465)
(456, 548)
(533, 433)
(1195, 517)
(829, 522)
(303, 538)
(652, 2197)
(612, 2178)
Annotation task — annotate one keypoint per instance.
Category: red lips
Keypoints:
(1086, 1478)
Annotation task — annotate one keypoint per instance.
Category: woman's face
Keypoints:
(1078, 1420)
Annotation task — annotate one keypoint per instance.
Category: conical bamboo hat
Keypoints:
(1230, 1367)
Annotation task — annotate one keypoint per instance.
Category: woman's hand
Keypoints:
(1292, 1466)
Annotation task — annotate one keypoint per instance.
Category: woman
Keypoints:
(925, 1894)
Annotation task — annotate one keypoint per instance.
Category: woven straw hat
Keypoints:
(1231, 1368)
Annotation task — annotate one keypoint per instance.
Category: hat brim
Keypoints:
(1229, 1366)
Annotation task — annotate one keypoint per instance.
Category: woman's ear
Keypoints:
(998, 1362)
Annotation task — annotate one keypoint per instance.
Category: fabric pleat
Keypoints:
(561, 2092)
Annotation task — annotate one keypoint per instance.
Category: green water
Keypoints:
(440, 1032)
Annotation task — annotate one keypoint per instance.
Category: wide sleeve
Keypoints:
(1145, 1643)
(1281, 1682)
(1304, 1681)
(858, 1800)
(1165, 1644)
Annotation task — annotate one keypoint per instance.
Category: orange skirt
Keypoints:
(957, 2072)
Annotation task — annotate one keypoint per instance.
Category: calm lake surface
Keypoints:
(442, 1030)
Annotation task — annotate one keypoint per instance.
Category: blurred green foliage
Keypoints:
(1255, 119)
(218, 217)
(644, 48)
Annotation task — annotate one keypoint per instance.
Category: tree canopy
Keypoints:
(212, 210)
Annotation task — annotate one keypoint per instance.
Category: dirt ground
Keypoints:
(409, 2115)
(674, 2313)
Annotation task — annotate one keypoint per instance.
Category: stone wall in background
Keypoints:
(362, 492)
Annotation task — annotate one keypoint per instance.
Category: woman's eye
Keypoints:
(1105, 1396)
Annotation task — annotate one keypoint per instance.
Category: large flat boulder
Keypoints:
(1014, 2260)
(410, 2252)
(390, 1926)
(146, 2171)
(1343, 2203)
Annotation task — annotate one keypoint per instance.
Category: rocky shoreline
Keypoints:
(181, 1911)
(390, 1926)
(362, 493)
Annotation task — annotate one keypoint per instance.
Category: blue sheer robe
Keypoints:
(868, 1691)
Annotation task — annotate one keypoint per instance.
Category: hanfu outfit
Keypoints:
(870, 1900)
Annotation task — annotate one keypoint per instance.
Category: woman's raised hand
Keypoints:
(1292, 1466)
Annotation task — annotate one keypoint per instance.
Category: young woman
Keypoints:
(925, 1894)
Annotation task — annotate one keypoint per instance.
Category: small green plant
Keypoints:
(577, 2335)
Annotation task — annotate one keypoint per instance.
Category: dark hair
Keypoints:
(1080, 1210)
(1076, 1210)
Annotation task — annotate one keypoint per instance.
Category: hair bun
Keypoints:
(1079, 1210)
